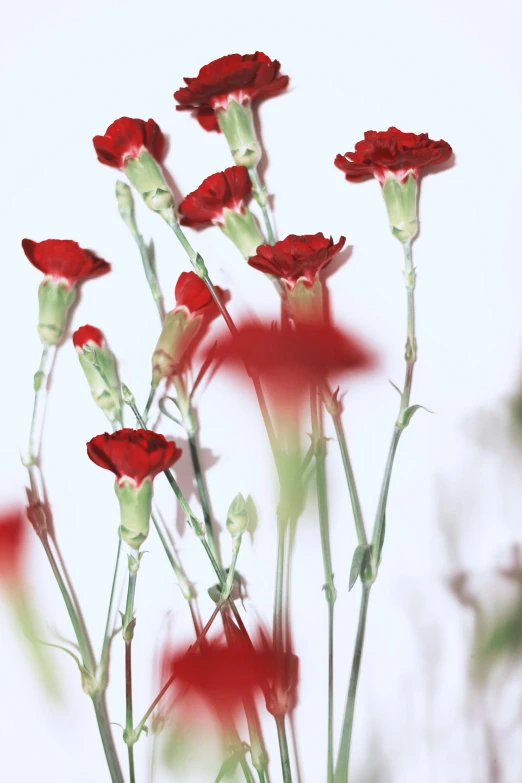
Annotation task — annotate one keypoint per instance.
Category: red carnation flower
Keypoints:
(12, 537)
(392, 153)
(191, 292)
(133, 454)
(296, 257)
(125, 138)
(228, 188)
(87, 334)
(64, 259)
(289, 359)
(243, 78)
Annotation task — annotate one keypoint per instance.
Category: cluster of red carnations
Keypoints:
(303, 349)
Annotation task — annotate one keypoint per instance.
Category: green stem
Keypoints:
(104, 727)
(39, 385)
(350, 479)
(329, 587)
(202, 493)
(128, 634)
(343, 757)
(283, 749)
(279, 588)
(150, 400)
(108, 629)
(260, 195)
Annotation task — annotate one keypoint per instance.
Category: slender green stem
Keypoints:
(343, 757)
(283, 749)
(329, 587)
(164, 689)
(260, 195)
(150, 400)
(128, 635)
(108, 624)
(202, 493)
(279, 588)
(350, 479)
(229, 584)
(104, 727)
(39, 385)
(383, 500)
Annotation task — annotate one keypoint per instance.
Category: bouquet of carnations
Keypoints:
(236, 671)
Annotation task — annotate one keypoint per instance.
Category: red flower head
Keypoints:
(12, 537)
(296, 257)
(133, 454)
(289, 359)
(392, 153)
(125, 138)
(85, 335)
(64, 259)
(243, 78)
(226, 189)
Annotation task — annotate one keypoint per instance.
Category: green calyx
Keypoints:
(237, 517)
(146, 176)
(54, 300)
(401, 202)
(243, 230)
(237, 123)
(135, 508)
(178, 333)
(99, 367)
(305, 302)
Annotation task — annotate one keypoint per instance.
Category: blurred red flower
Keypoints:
(296, 257)
(133, 454)
(243, 78)
(64, 259)
(125, 138)
(87, 334)
(392, 153)
(290, 359)
(13, 526)
(226, 189)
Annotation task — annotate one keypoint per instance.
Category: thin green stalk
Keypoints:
(202, 493)
(128, 635)
(108, 629)
(150, 400)
(343, 756)
(104, 727)
(329, 587)
(350, 479)
(39, 385)
(283, 749)
(260, 195)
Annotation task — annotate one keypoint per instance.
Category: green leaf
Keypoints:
(395, 387)
(228, 767)
(359, 556)
(406, 417)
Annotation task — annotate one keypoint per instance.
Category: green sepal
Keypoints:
(243, 230)
(135, 509)
(305, 302)
(237, 517)
(54, 300)
(401, 203)
(237, 124)
(359, 560)
(145, 174)
(229, 765)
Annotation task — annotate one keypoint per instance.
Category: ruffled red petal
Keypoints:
(86, 334)
(65, 259)
(137, 454)
(125, 138)
(228, 188)
(296, 257)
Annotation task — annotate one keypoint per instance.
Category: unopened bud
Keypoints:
(178, 333)
(127, 395)
(125, 204)
(237, 517)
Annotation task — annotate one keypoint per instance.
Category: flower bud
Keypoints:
(135, 508)
(99, 367)
(55, 297)
(237, 517)
(243, 230)
(125, 204)
(237, 123)
(401, 202)
(178, 332)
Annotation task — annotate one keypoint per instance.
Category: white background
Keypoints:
(449, 69)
